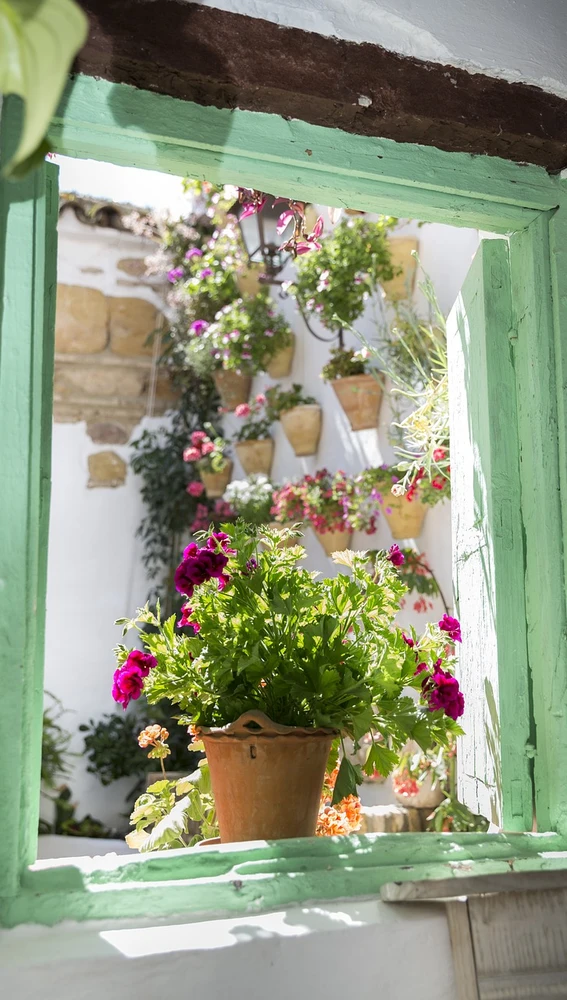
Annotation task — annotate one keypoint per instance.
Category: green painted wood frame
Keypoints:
(126, 126)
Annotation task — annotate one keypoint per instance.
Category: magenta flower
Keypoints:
(284, 221)
(220, 538)
(193, 252)
(452, 627)
(205, 273)
(420, 668)
(196, 488)
(184, 622)
(442, 692)
(128, 680)
(143, 661)
(175, 274)
(408, 640)
(198, 566)
(318, 228)
(198, 327)
(396, 556)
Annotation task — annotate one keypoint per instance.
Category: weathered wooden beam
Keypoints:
(213, 57)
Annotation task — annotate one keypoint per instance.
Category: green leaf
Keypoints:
(38, 41)
(348, 778)
(170, 828)
(380, 758)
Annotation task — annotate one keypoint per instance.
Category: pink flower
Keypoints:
(191, 455)
(396, 556)
(284, 221)
(128, 680)
(175, 274)
(442, 692)
(193, 252)
(242, 410)
(207, 447)
(452, 627)
(197, 438)
(198, 327)
(318, 228)
(184, 622)
(205, 273)
(260, 399)
(196, 488)
(439, 454)
(408, 640)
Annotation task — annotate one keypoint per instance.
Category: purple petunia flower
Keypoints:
(175, 274)
(199, 327)
(205, 273)
(193, 252)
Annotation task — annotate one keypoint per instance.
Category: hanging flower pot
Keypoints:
(406, 517)
(302, 427)
(215, 483)
(360, 397)
(334, 541)
(266, 778)
(280, 365)
(425, 794)
(232, 387)
(256, 456)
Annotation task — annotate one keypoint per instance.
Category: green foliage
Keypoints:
(55, 754)
(280, 400)
(251, 499)
(38, 41)
(336, 282)
(345, 362)
(66, 823)
(245, 335)
(167, 807)
(450, 815)
(304, 651)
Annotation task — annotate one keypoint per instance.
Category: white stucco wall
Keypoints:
(514, 40)
(95, 573)
(361, 948)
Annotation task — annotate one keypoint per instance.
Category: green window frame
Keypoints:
(122, 125)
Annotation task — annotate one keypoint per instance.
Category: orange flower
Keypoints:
(341, 819)
(152, 735)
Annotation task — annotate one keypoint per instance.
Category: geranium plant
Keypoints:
(345, 362)
(208, 452)
(336, 283)
(256, 422)
(270, 636)
(372, 489)
(322, 499)
(251, 499)
(281, 400)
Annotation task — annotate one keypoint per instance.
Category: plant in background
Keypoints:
(281, 400)
(244, 336)
(322, 499)
(345, 362)
(419, 578)
(209, 454)
(256, 420)
(336, 283)
(273, 637)
(55, 753)
(342, 818)
(251, 499)
(437, 764)
(169, 808)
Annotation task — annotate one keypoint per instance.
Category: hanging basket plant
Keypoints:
(299, 415)
(210, 456)
(254, 445)
(279, 366)
(357, 388)
(322, 500)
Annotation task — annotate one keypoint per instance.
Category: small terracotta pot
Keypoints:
(232, 387)
(267, 779)
(360, 397)
(302, 427)
(334, 541)
(280, 365)
(256, 456)
(406, 519)
(428, 797)
(215, 483)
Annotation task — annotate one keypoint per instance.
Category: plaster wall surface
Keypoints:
(364, 948)
(512, 39)
(95, 570)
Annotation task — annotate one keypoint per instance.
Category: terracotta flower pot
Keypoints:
(232, 387)
(428, 796)
(302, 427)
(406, 519)
(267, 779)
(360, 397)
(334, 541)
(215, 483)
(280, 365)
(256, 456)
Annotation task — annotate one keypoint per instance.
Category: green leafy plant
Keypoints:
(335, 283)
(251, 499)
(305, 651)
(345, 362)
(257, 422)
(55, 753)
(163, 814)
(437, 763)
(245, 335)
(280, 400)
(38, 42)
(66, 823)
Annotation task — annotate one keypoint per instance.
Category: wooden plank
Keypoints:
(28, 219)
(474, 885)
(488, 545)
(462, 949)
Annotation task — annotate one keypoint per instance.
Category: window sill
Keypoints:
(261, 876)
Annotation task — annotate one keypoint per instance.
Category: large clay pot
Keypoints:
(256, 456)
(232, 387)
(334, 541)
(266, 778)
(360, 397)
(429, 796)
(215, 483)
(280, 365)
(302, 427)
(406, 517)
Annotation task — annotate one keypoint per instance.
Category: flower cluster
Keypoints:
(345, 362)
(343, 817)
(128, 682)
(300, 242)
(201, 564)
(256, 421)
(221, 512)
(154, 737)
(430, 490)
(439, 689)
(251, 499)
(209, 454)
(245, 334)
(322, 499)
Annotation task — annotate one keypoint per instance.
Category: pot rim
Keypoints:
(267, 729)
(302, 406)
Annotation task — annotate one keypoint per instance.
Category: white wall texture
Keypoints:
(95, 573)
(516, 40)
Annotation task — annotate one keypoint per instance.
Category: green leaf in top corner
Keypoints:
(349, 776)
